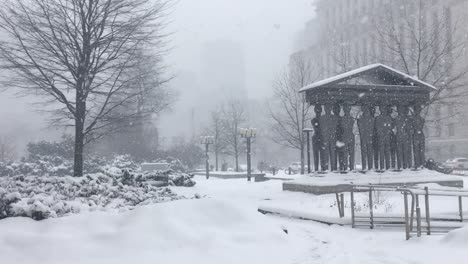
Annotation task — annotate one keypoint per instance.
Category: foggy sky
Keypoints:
(265, 29)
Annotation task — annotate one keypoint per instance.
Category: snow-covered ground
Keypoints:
(221, 227)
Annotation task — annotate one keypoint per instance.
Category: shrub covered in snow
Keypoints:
(59, 166)
(42, 186)
(44, 197)
(63, 148)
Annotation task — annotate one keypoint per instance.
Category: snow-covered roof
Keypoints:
(360, 71)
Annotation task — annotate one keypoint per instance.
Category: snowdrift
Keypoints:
(185, 231)
(457, 237)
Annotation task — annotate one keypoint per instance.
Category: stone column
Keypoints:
(347, 126)
(366, 132)
(403, 140)
(375, 141)
(419, 139)
(384, 128)
(328, 127)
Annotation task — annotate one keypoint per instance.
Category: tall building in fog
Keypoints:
(223, 70)
(345, 37)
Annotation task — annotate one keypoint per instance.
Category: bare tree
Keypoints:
(217, 129)
(79, 55)
(289, 109)
(343, 58)
(138, 135)
(7, 149)
(429, 46)
(233, 117)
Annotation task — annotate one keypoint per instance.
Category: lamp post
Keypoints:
(308, 131)
(248, 134)
(207, 141)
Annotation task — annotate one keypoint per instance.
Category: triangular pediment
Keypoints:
(371, 75)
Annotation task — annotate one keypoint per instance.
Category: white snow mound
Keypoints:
(186, 231)
(457, 237)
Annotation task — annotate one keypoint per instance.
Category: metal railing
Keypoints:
(411, 215)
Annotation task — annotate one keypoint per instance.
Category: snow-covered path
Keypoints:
(222, 227)
(335, 244)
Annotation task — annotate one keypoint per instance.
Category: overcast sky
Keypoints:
(265, 29)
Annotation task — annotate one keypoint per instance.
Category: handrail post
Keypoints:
(412, 212)
(460, 208)
(428, 216)
(405, 198)
(418, 215)
(342, 205)
(353, 220)
(371, 207)
(418, 220)
(338, 203)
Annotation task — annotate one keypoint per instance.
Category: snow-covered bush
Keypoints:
(42, 186)
(44, 197)
(63, 148)
(59, 166)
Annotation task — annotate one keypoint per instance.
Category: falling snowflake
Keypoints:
(340, 144)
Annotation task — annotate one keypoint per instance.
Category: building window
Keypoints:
(451, 111)
(438, 152)
(452, 150)
(437, 112)
(451, 130)
(373, 53)
(448, 29)
(364, 52)
(436, 29)
(438, 129)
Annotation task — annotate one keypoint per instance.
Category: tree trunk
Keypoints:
(79, 145)
(216, 159)
(80, 113)
(237, 160)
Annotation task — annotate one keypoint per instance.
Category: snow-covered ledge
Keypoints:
(259, 177)
(336, 182)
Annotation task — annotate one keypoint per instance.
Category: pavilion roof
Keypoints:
(374, 74)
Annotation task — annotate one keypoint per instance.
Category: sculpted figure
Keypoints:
(393, 144)
(403, 140)
(328, 127)
(375, 141)
(410, 130)
(419, 139)
(393, 147)
(347, 137)
(316, 137)
(384, 128)
(366, 132)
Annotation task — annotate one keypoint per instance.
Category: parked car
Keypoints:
(296, 167)
(437, 166)
(457, 163)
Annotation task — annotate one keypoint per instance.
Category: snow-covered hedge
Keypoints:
(43, 197)
(59, 166)
(42, 187)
